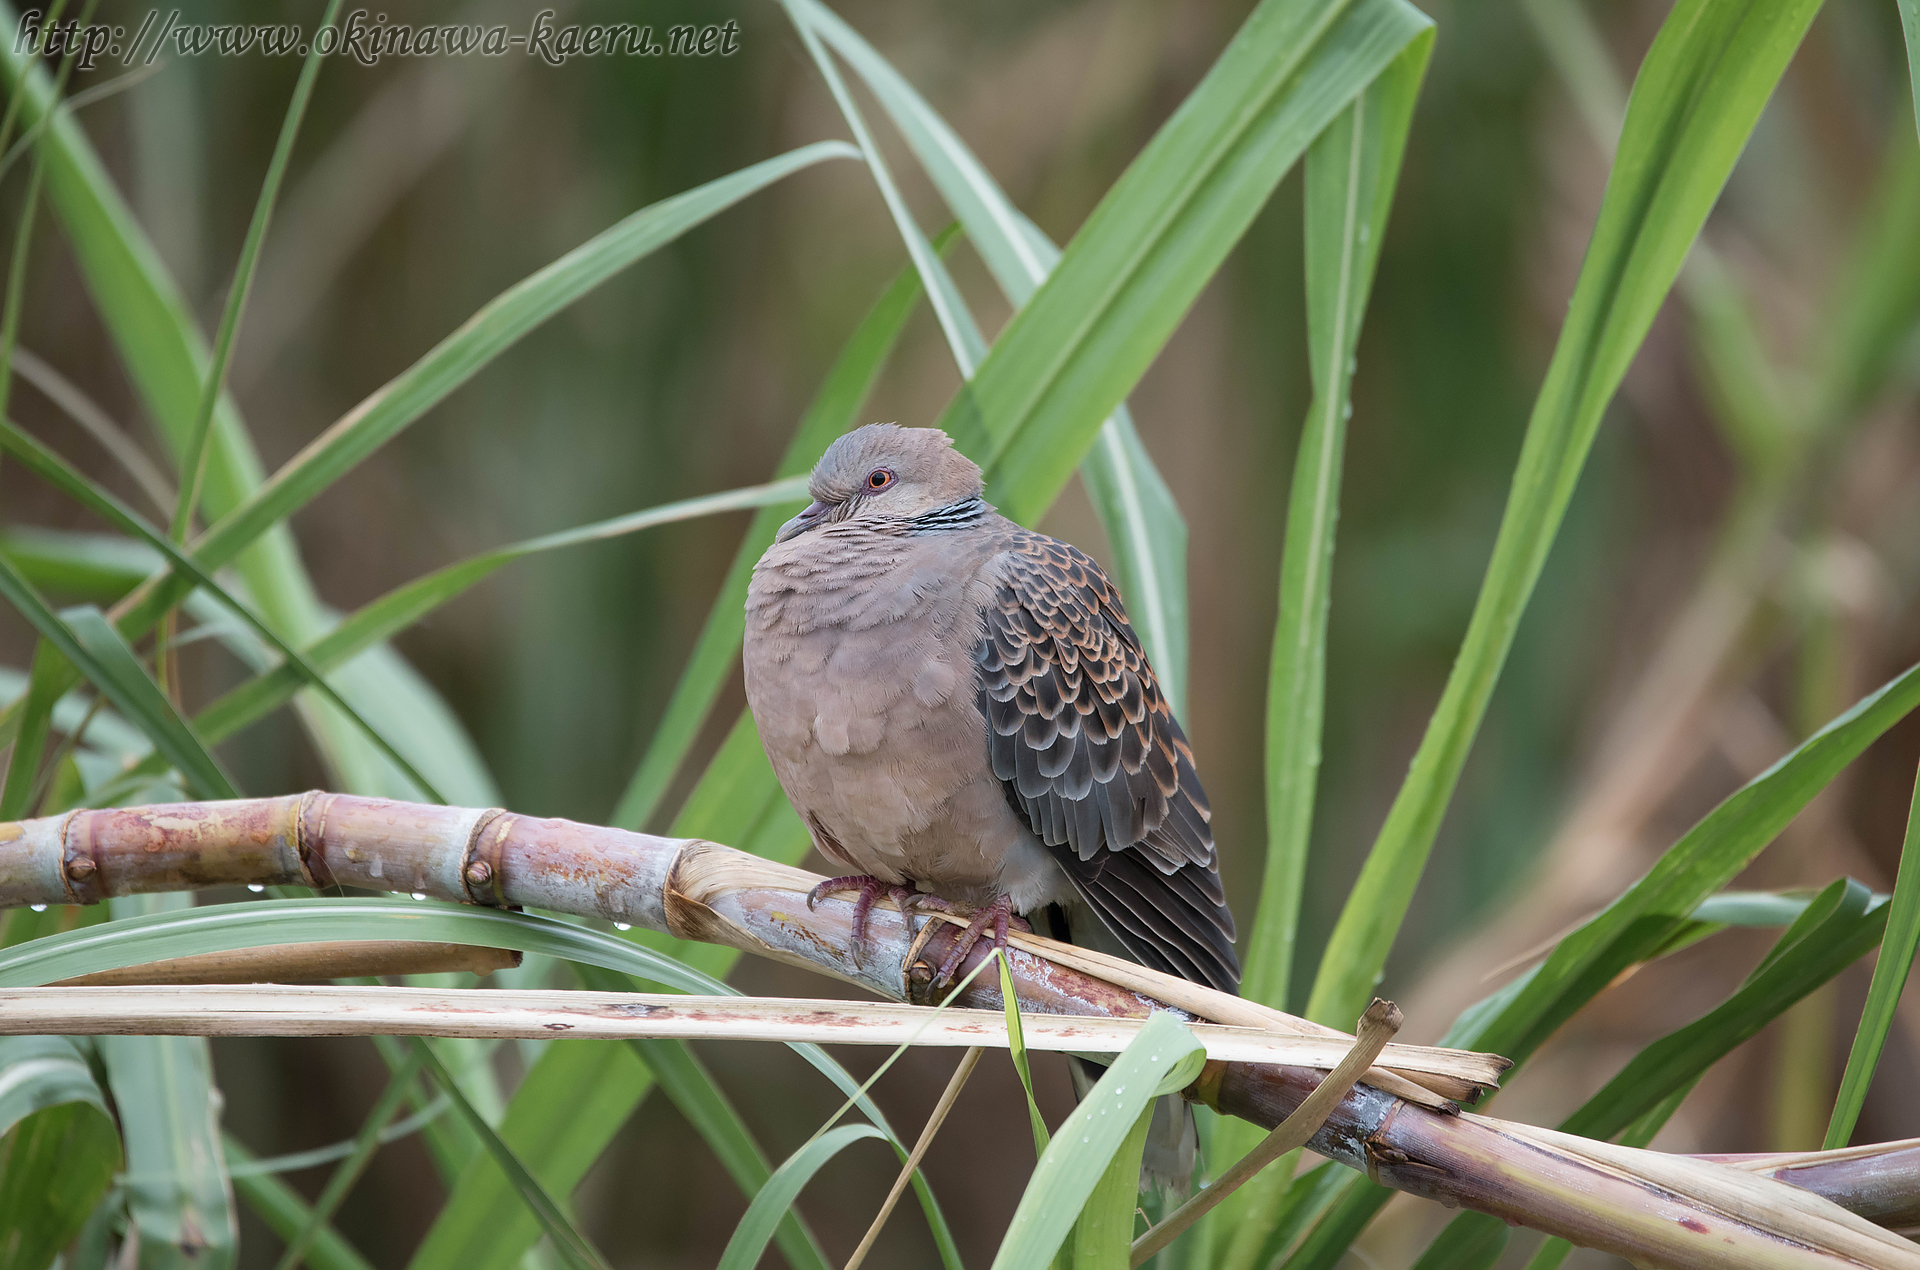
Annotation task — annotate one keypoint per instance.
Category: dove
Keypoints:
(960, 712)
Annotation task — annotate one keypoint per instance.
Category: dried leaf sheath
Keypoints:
(1694, 1214)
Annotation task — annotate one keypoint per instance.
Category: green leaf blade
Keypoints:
(770, 1205)
(835, 408)
(1076, 1158)
(59, 1149)
(1078, 346)
(497, 326)
(1518, 1018)
(1897, 949)
(1699, 93)
(177, 1191)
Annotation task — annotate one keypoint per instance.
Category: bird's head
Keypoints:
(885, 472)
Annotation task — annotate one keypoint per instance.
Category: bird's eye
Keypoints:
(879, 478)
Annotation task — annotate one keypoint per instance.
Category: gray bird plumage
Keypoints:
(957, 703)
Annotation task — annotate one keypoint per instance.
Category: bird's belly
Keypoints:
(882, 749)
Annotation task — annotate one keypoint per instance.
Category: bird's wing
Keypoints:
(1091, 757)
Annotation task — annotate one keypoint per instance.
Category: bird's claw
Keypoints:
(997, 916)
(870, 890)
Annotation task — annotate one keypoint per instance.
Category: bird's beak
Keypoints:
(815, 512)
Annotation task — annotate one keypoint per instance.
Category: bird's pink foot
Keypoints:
(870, 890)
(997, 917)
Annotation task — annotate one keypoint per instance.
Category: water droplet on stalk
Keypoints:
(256, 888)
(419, 895)
(623, 925)
(38, 908)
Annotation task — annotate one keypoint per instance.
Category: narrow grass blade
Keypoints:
(685, 1081)
(88, 640)
(566, 1111)
(362, 633)
(17, 275)
(964, 340)
(962, 1072)
(193, 465)
(253, 924)
(31, 729)
(1163, 1058)
(1352, 170)
(693, 1091)
(737, 800)
(285, 1213)
(1700, 90)
(1550, 1254)
(1325, 1246)
(567, 1241)
(1873, 307)
(294, 1161)
(166, 360)
(132, 940)
(57, 472)
(140, 699)
(1838, 929)
(1017, 1051)
(1377, 1027)
(91, 566)
(350, 1168)
(1148, 535)
(1144, 526)
(175, 1182)
(13, 105)
(1910, 23)
(59, 1149)
(406, 604)
(751, 1236)
(499, 324)
(1306, 1201)
(835, 408)
(1149, 538)
(30, 206)
(1897, 949)
(88, 415)
(1079, 345)
(1471, 1241)
(1518, 1018)
(453, 1146)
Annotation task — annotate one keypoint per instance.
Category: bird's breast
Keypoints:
(861, 680)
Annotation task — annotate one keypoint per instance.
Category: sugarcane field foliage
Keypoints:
(1501, 418)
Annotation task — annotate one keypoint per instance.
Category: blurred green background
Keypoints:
(421, 188)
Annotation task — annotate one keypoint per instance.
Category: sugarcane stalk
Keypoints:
(1396, 1127)
(1876, 1181)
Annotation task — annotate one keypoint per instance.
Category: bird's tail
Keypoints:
(1173, 1140)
